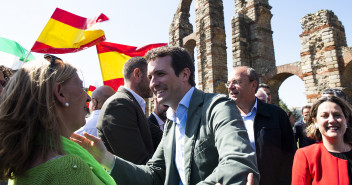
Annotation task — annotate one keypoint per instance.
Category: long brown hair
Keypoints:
(29, 125)
(314, 133)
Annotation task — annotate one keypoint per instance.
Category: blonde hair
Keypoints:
(314, 133)
(28, 115)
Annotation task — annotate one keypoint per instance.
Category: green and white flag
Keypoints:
(12, 54)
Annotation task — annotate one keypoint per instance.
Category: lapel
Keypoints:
(194, 114)
(169, 155)
(131, 97)
(263, 111)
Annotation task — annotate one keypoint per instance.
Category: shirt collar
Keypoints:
(160, 122)
(96, 112)
(170, 114)
(253, 111)
(139, 99)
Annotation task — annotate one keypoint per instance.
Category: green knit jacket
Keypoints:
(68, 169)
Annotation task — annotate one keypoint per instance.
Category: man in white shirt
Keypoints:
(268, 128)
(99, 96)
(122, 124)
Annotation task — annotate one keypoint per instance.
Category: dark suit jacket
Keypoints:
(216, 148)
(153, 120)
(274, 143)
(300, 135)
(124, 129)
(315, 165)
(155, 130)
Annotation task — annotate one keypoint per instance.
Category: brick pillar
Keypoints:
(180, 26)
(322, 38)
(252, 42)
(211, 46)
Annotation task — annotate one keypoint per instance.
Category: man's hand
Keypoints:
(250, 180)
(95, 147)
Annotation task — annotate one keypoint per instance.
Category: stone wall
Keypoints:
(326, 61)
(252, 41)
(322, 41)
(208, 40)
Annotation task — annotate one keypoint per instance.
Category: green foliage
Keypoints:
(297, 114)
(283, 105)
(295, 111)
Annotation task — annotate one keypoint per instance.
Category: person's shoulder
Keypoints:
(61, 170)
(299, 123)
(269, 109)
(311, 149)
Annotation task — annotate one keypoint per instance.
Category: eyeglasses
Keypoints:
(229, 84)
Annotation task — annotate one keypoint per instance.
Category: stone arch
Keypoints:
(180, 26)
(276, 77)
(190, 44)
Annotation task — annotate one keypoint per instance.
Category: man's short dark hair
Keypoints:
(306, 107)
(334, 92)
(7, 72)
(180, 59)
(132, 64)
(263, 85)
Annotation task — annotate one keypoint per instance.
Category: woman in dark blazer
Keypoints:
(329, 161)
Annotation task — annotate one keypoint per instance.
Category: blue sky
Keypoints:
(141, 22)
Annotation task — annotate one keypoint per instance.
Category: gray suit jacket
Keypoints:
(124, 128)
(217, 148)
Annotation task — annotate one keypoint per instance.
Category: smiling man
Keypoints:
(268, 127)
(122, 124)
(204, 138)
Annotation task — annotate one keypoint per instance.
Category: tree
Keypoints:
(295, 111)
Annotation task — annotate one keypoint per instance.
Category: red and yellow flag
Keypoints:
(112, 58)
(91, 88)
(67, 33)
(90, 91)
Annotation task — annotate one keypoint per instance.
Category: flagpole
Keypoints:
(26, 57)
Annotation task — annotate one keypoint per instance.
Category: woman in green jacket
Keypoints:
(41, 106)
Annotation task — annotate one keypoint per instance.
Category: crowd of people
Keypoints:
(191, 137)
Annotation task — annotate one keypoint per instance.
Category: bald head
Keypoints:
(99, 96)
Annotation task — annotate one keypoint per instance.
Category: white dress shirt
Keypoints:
(160, 122)
(91, 124)
(180, 118)
(249, 123)
(139, 99)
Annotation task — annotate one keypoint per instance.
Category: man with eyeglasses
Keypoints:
(267, 125)
(5, 74)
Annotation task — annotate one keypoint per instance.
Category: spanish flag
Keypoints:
(67, 33)
(90, 90)
(112, 58)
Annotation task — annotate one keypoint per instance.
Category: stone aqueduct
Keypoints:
(326, 61)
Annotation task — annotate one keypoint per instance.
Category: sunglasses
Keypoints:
(52, 59)
(3, 83)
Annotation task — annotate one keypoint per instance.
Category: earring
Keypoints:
(67, 104)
